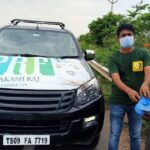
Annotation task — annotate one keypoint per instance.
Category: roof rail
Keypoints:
(16, 21)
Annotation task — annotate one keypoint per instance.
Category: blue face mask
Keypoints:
(127, 42)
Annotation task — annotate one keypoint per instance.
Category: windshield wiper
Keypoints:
(64, 57)
(31, 55)
(24, 55)
(34, 55)
(8, 54)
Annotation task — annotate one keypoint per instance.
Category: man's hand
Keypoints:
(145, 90)
(133, 95)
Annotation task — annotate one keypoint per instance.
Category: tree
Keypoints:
(140, 17)
(102, 34)
(104, 27)
(138, 9)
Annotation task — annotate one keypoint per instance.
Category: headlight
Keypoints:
(88, 92)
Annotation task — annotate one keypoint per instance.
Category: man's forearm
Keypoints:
(116, 79)
(147, 76)
(133, 95)
(145, 87)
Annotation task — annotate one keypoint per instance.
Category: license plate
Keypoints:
(26, 140)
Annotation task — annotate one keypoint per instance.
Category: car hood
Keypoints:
(39, 73)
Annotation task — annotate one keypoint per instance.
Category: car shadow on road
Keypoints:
(68, 147)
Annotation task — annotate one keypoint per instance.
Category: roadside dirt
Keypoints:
(124, 139)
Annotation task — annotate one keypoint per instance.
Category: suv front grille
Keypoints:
(34, 126)
(36, 100)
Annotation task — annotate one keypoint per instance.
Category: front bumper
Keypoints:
(63, 128)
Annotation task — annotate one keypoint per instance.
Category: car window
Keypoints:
(38, 42)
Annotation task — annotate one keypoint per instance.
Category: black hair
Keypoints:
(128, 27)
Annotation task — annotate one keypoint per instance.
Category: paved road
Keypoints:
(102, 145)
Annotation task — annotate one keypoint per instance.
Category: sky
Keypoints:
(76, 14)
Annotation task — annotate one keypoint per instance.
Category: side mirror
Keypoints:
(89, 54)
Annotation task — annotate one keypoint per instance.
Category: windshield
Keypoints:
(37, 42)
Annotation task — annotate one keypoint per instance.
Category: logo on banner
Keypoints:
(25, 66)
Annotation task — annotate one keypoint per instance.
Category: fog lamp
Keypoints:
(89, 121)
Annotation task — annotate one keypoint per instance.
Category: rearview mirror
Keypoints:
(89, 54)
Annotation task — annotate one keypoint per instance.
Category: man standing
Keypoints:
(130, 71)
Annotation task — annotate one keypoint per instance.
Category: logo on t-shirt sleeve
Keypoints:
(137, 66)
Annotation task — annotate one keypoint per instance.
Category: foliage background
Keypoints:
(102, 35)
